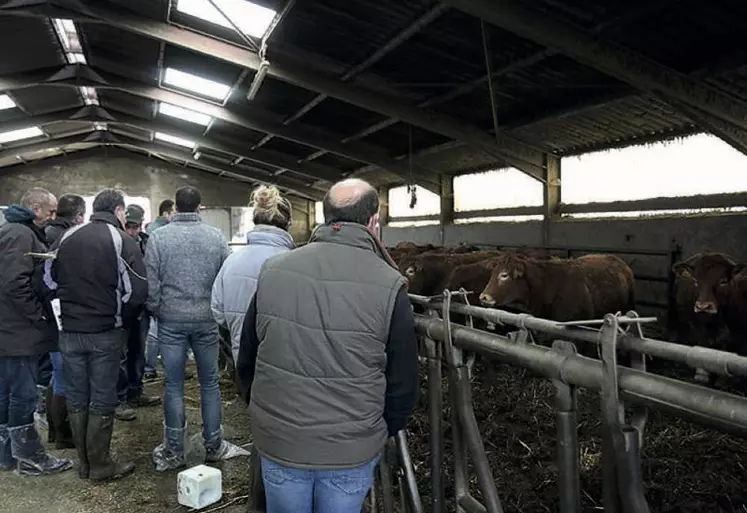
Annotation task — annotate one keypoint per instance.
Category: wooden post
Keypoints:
(551, 209)
(383, 206)
(447, 205)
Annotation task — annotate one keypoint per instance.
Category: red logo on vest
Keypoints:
(336, 227)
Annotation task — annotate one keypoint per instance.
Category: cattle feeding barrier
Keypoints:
(622, 388)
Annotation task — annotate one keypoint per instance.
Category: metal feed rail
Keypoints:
(620, 386)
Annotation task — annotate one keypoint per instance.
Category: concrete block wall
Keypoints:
(88, 172)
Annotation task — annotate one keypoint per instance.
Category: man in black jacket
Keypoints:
(71, 211)
(99, 277)
(27, 330)
(132, 366)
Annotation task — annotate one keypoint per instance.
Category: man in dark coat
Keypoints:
(132, 366)
(71, 211)
(99, 277)
(27, 330)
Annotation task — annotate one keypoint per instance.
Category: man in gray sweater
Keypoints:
(183, 258)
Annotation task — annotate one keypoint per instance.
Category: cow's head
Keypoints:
(413, 270)
(509, 284)
(706, 278)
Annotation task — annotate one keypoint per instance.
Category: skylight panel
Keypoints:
(76, 58)
(90, 97)
(70, 41)
(175, 140)
(23, 133)
(250, 18)
(195, 84)
(100, 126)
(6, 102)
(192, 116)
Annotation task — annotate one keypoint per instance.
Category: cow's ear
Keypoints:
(681, 268)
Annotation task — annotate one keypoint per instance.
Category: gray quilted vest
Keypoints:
(323, 318)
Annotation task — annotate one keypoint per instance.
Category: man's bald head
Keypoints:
(352, 201)
(42, 202)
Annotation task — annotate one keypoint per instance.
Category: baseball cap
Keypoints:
(134, 214)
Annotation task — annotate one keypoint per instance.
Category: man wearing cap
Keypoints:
(130, 382)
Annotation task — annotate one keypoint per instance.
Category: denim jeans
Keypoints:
(58, 380)
(18, 394)
(151, 345)
(174, 339)
(132, 363)
(291, 490)
(90, 366)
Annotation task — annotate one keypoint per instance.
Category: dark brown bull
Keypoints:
(710, 302)
(587, 287)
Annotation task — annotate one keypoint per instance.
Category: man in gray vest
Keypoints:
(328, 360)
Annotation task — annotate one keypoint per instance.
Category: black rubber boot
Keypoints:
(51, 434)
(98, 447)
(60, 424)
(79, 428)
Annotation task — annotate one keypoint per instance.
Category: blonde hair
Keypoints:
(270, 207)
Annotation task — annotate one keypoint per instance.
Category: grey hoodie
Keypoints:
(182, 259)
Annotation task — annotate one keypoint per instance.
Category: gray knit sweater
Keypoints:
(183, 258)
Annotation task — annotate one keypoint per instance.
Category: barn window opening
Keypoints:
(250, 18)
(195, 84)
(500, 188)
(140, 201)
(700, 164)
(428, 205)
(498, 219)
(319, 212)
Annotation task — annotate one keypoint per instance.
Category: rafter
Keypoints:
(514, 152)
(79, 75)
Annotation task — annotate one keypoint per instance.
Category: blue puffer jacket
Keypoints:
(237, 281)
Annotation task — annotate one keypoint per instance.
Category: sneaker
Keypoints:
(150, 376)
(124, 413)
(144, 401)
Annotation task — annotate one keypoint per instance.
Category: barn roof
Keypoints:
(392, 91)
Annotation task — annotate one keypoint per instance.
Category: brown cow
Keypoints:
(587, 287)
(709, 302)
(428, 272)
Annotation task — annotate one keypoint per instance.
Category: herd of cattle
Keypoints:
(710, 288)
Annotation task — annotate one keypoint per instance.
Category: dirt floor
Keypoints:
(145, 491)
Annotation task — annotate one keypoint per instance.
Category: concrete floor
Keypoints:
(145, 491)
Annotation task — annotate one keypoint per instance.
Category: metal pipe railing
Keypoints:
(707, 407)
(711, 360)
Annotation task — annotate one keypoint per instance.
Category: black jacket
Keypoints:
(56, 228)
(27, 325)
(98, 290)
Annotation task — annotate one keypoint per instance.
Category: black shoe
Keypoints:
(98, 448)
(124, 413)
(60, 425)
(79, 427)
(150, 376)
(144, 401)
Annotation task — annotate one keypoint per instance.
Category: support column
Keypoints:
(551, 195)
(447, 205)
(383, 206)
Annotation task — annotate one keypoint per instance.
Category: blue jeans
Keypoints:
(58, 380)
(18, 394)
(291, 490)
(151, 345)
(174, 339)
(90, 365)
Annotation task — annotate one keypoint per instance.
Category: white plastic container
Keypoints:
(199, 486)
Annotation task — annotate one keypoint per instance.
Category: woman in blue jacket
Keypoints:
(236, 282)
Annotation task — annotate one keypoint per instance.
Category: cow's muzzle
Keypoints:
(487, 300)
(705, 307)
